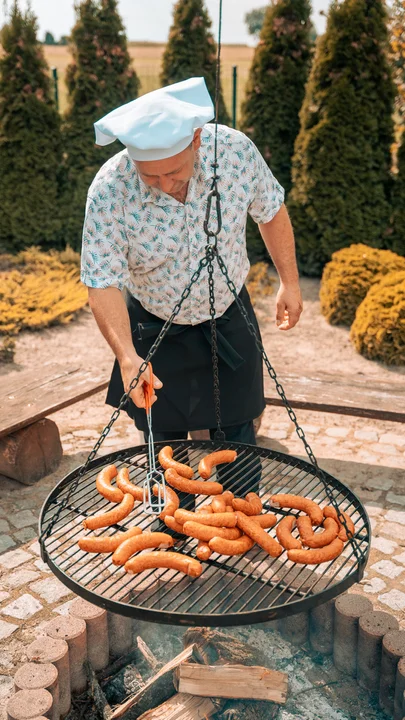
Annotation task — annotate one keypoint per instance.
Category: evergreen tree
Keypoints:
(99, 79)
(191, 50)
(30, 141)
(397, 239)
(342, 153)
(397, 55)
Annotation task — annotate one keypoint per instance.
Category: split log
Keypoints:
(147, 655)
(182, 707)
(218, 648)
(127, 682)
(233, 681)
(101, 705)
(107, 673)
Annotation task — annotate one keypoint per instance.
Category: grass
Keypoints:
(147, 58)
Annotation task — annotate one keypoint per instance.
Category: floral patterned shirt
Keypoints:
(139, 237)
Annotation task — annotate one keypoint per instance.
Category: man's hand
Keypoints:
(129, 370)
(289, 306)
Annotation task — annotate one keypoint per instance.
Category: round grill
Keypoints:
(231, 590)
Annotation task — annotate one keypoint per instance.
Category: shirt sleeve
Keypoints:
(104, 259)
(267, 195)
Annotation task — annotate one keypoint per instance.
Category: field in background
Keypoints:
(147, 61)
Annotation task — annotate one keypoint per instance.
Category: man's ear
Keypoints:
(197, 139)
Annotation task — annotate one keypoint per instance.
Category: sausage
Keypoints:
(205, 509)
(172, 501)
(111, 517)
(206, 533)
(103, 484)
(219, 457)
(298, 502)
(219, 504)
(317, 540)
(173, 560)
(165, 458)
(318, 556)
(126, 486)
(284, 536)
(231, 547)
(108, 543)
(253, 529)
(203, 551)
(228, 496)
(173, 524)
(252, 505)
(214, 519)
(265, 521)
(142, 542)
(194, 487)
(229, 508)
(330, 512)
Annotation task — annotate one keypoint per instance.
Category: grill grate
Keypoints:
(230, 591)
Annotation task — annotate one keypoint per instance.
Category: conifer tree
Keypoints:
(99, 79)
(191, 50)
(30, 141)
(396, 241)
(341, 167)
(397, 55)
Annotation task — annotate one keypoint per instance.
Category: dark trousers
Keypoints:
(248, 472)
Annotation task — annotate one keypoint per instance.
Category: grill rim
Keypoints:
(298, 605)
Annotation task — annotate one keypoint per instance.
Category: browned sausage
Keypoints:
(298, 502)
(218, 504)
(203, 551)
(165, 458)
(266, 521)
(251, 506)
(194, 487)
(126, 486)
(213, 519)
(108, 543)
(219, 457)
(111, 517)
(231, 547)
(173, 560)
(253, 529)
(317, 540)
(284, 536)
(206, 533)
(173, 524)
(316, 557)
(172, 501)
(330, 512)
(228, 496)
(133, 545)
(103, 484)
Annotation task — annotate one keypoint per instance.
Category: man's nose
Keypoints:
(166, 184)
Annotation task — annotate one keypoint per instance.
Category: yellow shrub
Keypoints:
(378, 331)
(259, 282)
(349, 275)
(39, 289)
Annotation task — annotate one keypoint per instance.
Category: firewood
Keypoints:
(128, 681)
(232, 681)
(218, 648)
(182, 707)
(148, 656)
(107, 673)
(96, 694)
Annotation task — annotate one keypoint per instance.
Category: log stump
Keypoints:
(31, 453)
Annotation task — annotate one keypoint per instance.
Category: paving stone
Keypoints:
(26, 534)
(380, 483)
(4, 595)
(367, 457)
(395, 599)
(373, 523)
(85, 433)
(387, 568)
(395, 499)
(383, 449)
(393, 530)
(24, 607)
(23, 518)
(328, 441)
(6, 629)
(384, 545)
(4, 526)
(374, 585)
(337, 432)
(393, 439)
(14, 558)
(400, 558)
(395, 516)
(43, 567)
(6, 542)
(369, 435)
(374, 510)
(64, 609)
(50, 589)
(35, 548)
(67, 446)
(368, 495)
(6, 685)
(311, 429)
(278, 434)
(6, 660)
(20, 577)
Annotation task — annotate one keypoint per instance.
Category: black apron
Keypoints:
(183, 362)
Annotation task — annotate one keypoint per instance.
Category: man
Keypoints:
(143, 239)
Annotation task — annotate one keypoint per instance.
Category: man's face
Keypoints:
(173, 174)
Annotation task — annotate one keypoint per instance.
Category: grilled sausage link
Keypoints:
(207, 464)
(171, 523)
(173, 501)
(317, 540)
(298, 502)
(135, 544)
(330, 512)
(206, 533)
(266, 521)
(193, 487)
(165, 458)
(253, 529)
(203, 551)
(252, 505)
(111, 517)
(284, 533)
(213, 519)
(231, 547)
(218, 504)
(316, 557)
(106, 544)
(103, 484)
(173, 560)
(126, 486)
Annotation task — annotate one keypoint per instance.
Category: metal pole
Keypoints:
(234, 93)
(55, 86)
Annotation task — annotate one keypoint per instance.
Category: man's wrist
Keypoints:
(128, 359)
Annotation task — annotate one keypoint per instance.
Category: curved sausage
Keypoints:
(330, 512)
(228, 496)
(218, 504)
(298, 502)
(203, 551)
(252, 505)
(103, 484)
(284, 536)
(253, 529)
(135, 544)
(165, 458)
(106, 544)
(112, 517)
(266, 521)
(173, 524)
(172, 501)
(206, 533)
(173, 560)
(194, 487)
(317, 540)
(219, 457)
(231, 547)
(214, 519)
(126, 486)
(316, 557)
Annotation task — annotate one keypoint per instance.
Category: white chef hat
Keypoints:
(159, 124)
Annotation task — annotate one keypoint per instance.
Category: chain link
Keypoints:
(219, 434)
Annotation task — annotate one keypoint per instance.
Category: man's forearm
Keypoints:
(111, 314)
(278, 236)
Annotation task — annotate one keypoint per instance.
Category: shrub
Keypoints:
(7, 350)
(259, 282)
(39, 289)
(378, 331)
(348, 277)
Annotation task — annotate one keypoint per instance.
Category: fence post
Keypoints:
(55, 86)
(234, 93)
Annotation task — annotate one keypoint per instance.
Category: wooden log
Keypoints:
(31, 453)
(233, 681)
(125, 683)
(182, 707)
(95, 692)
(147, 655)
(218, 648)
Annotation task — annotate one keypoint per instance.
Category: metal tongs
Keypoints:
(152, 505)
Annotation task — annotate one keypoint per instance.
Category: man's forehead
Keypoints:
(163, 167)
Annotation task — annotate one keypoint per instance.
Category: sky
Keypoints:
(151, 19)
